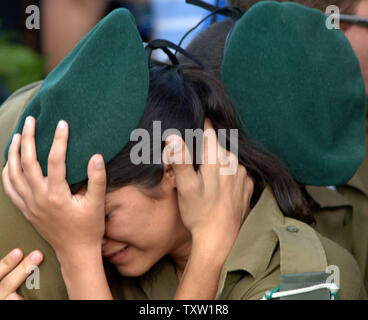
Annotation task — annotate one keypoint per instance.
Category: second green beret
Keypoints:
(299, 90)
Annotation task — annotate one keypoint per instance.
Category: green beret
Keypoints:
(299, 90)
(100, 89)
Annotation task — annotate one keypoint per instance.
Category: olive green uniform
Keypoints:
(343, 215)
(268, 245)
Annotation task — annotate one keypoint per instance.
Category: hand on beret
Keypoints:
(70, 223)
(209, 198)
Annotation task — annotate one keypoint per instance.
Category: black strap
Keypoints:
(213, 19)
(165, 45)
(228, 11)
(202, 4)
(354, 19)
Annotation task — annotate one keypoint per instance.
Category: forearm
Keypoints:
(202, 273)
(84, 276)
(59, 36)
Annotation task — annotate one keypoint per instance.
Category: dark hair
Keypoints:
(181, 97)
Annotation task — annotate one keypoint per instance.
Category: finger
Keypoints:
(223, 156)
(176, 154)
(247, 194)
(96, 188)
(208, 124)
(230, 165)
(211, 163)
(15, 278)
(11, 192)
(10, 261)
(31, 167)
(15, 170)
(14, 296)
(56, 167)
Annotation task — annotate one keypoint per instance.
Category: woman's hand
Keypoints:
(74, 225)
(70, 223)
(14, 271)
(213, 206)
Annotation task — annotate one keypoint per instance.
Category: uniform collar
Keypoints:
(256, 241)
(327, 198)
(360, 179)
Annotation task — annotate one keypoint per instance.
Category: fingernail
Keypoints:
(29, 121)
(175, 143)
(15, 254)
(15, 138)
(36, 257)
(61, 125)
(98, 161)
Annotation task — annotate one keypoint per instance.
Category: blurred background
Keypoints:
(28, 55)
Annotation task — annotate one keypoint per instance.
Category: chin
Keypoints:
(133, 271)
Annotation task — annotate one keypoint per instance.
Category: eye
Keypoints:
(107, 215)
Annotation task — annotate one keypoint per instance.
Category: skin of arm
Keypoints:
(65, 23)
(201, 275)
(84, 275)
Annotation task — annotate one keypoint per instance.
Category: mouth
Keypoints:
(118, 257)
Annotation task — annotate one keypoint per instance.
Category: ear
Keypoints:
(168, 179)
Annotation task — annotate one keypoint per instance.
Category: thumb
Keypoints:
(176, 154)
(96, 188)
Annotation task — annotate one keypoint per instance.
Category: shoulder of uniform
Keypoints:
(14, 106)
(12, 109)
(300, 248)
(28, 88)
(344, 267)
(303, 260)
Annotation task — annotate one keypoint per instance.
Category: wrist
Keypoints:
(79, 270)
(208, 256)
(212, 246)
(203, 270)
(78, 259)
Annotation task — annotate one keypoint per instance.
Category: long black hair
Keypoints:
(181, 97)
